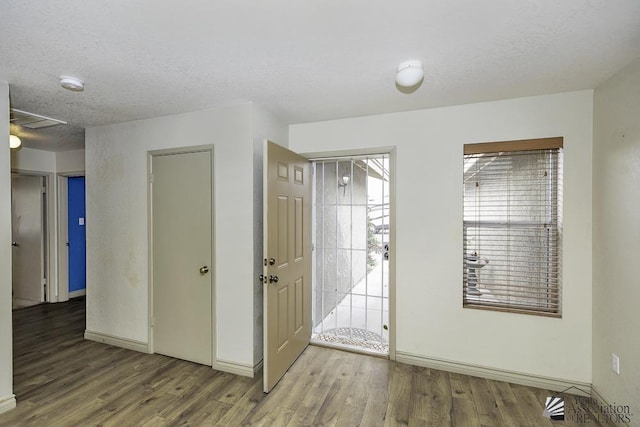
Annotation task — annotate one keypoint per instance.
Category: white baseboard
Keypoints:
(242, 369)
(140, 346)
(547, 383)
(596, 395)
(258, 367)
(78, 293)
(22, 303)
(7, 403)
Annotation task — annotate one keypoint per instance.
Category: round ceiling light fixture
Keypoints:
(72, 83)
(410, 73)
(14, 141)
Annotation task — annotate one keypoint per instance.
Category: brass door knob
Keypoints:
(204, 269)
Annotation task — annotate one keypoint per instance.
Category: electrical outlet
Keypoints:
(615, 363)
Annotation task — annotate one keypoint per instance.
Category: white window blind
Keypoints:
(512, 226)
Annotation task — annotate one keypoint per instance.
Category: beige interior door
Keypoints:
(287, 248)
(27, 238)
(181, 255)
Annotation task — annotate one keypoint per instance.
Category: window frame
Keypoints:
(554, 144)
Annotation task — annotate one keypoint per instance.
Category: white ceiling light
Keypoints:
(71, 83)
(409, 73)
(14, 141)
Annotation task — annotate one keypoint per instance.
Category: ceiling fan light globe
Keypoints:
(14, 141)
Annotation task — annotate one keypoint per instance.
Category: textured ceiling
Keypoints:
(304, 60)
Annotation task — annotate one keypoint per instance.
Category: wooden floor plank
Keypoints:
(530, 404)
(508, 404)
(352, 411)
(309, 407)
(460, 386)
(344, 380)
(398, 406)
(62, 380)
(243, 407)
(440, 414)
(421, 396)
(464, 413)
(485, 402)
(304, 373)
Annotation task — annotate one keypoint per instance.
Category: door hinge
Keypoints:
(151, 178)
(152, 320)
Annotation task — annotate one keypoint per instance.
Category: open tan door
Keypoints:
(287, 248)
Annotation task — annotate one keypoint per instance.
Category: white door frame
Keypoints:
(63, 233)
(391, 152)
(50, 225)
(181, 150)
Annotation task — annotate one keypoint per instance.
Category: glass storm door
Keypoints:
(351, 253)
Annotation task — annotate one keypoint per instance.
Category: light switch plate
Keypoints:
(615, 363)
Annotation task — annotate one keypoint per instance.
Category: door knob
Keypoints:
(14, 244)
(273, 279)
(204, 269)
(262, 278)
(272, 261)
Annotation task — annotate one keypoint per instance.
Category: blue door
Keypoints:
(77, 235)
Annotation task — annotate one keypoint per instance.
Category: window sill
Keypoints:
(511, 310)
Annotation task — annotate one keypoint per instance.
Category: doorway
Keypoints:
(76, 220)
(351, 232)
(181, 255)
(29, 239)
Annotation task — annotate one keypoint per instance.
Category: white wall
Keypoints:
(70, 161)
(6, 350)
(616, 238)
(29, 159)
(431, 323)
(117, 252)
(265, 126)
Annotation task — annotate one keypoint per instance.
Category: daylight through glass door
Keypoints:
(351, 253)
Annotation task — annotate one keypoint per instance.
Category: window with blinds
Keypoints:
(512, 226)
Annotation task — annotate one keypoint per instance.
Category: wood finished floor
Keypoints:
(62, 380)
